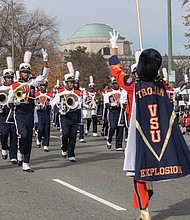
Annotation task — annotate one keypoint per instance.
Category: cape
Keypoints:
(156, 149)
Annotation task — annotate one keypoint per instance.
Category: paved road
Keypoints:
(95, 187)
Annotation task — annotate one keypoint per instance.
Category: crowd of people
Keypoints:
(28, 106)
(137, 108)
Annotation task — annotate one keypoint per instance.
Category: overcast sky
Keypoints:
(120, 15)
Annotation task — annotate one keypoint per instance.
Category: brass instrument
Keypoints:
(70, 102)
(40, 106)
(20, 94)
(3, 100)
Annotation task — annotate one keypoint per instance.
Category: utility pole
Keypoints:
(169, 38)
(139, 25)
(11, 6)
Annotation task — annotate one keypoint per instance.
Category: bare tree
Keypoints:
(186, 21)
(32, 31)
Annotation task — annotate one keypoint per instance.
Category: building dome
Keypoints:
(93, 30)
(95, 37)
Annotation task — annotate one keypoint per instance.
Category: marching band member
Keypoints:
(21, 98)
(91, 103)
(7, 127)
(115, 115)
(56, 109)
(43, 108)
(156, 149)
(104, 128)
(69, 103)
(82, 95)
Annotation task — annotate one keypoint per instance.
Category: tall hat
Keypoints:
(149, 63)
(91, 84)
(9, 72)
(69, 78)
(26, 67)
(71, 69)
(77, 74)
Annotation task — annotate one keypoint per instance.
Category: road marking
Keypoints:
(118, 208)
(54, 136)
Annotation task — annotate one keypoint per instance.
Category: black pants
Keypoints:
(24, 129)
(43, 126)
(113, 126)
(69, 127)
(7, 129)
(94, 121)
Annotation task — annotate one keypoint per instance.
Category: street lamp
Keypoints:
(10, 4)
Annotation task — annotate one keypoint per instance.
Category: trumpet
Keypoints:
(3, 100)
(71, 102)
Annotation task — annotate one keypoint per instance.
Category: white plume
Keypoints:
(9, 63)
(17, 75)
(165, 73)
(70, 67)
(27, 57)
(57, 83)
(77, 74)
(91, 79)
(186, 79)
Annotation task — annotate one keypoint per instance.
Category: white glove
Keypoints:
(45, 54)
(17, 102)
(186, 78)
(113, 104)
(165, 74)
(114, 38)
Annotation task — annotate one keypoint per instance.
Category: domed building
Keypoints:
(95, 37)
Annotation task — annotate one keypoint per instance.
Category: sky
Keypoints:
(122, 16)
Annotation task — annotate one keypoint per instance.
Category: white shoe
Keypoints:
(14, 161)
(26, 167)
(94, 134)
(108, 145)
(145, 215)
(4, 154)
(72, 159)
(38, 143)
(63, 153)
(119, 149)
(46, 149)
(126, 139)
(81, 140)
